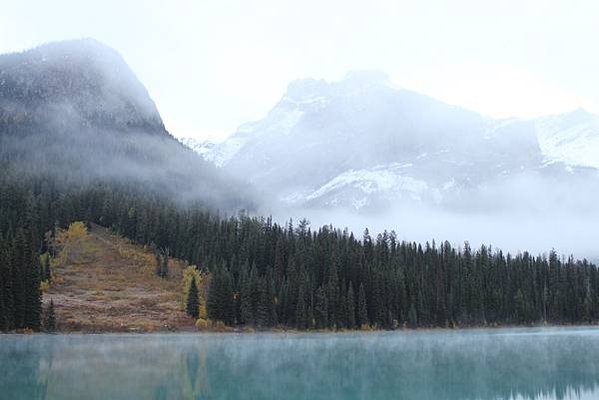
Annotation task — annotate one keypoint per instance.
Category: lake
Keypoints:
(551, 363)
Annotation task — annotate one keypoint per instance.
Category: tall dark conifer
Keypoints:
(362, 307)
(351, 308)
(50, 318)
(193, 307)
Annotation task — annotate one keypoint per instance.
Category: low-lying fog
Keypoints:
(566, 234)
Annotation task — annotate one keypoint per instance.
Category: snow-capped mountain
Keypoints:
(364, 143)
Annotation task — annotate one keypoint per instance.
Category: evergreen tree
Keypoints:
(245, 298)
(413, 317)
(164, 265)
(158, 263)
(50, 318)
(351, 308)
(362, 307)
(301, 315)
(220, 304)
(264, 310)
(6, 289)
(47, 274)
(193, 306)
(3, 310)
(321, 309)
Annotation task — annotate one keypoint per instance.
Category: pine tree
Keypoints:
(220, 303)
(158, 263)
(50, 320)
(362, 307)
(264, 306)
(164, 265)
(300, 310)
(246, 312)
(321, 309)
(6, 289)
(18, 278)
(47, 275)
(413, 317)
(33, 297)
(351, 308)
(3, 311)
(193, 306)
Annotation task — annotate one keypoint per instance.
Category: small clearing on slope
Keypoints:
(104, 283)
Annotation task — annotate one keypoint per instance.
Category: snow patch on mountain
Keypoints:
(365, 144)
(571, 138)
(216, 153)
(388, 181)
(223, 152)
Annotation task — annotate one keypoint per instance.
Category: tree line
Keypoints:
(266, 274)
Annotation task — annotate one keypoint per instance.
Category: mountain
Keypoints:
(363, 143)
(571, 138)
(75, 110)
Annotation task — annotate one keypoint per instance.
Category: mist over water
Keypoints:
(557, 363)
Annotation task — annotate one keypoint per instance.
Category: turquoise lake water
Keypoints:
(560, 363)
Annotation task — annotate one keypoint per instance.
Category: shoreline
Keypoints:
(234, 331)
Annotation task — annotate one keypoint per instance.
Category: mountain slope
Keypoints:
(75, 110)
(572, 138)
(103, 282)
(363, 143)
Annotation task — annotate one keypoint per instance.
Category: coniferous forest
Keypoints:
(112, 163)
(264, 274)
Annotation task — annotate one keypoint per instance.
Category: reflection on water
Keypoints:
(478, 364)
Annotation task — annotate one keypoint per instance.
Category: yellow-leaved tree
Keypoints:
(71, 240)
(76, 230)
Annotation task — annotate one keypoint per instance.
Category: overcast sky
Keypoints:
(212, 65)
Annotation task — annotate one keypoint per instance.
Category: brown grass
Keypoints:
(104, 283)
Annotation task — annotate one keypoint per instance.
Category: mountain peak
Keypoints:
(581, 114)
(302, 89)
(87, 79)
(370, 77)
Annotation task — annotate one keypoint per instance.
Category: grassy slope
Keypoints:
(104, 283)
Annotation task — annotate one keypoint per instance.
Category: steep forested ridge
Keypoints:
(265, 274)
(75, 150)
(75, 111)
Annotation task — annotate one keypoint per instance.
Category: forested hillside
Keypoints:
(75, 112)
(80, 140)
(265, 274)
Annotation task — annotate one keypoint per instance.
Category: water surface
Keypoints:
(560, 363)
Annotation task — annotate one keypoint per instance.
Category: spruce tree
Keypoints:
(351, 308)
(6, 290)
(164, 265)
(300, 310)
(220, 303)
(362, 307)
(321, 309)
(50, 320)
(193, 307)
(47, 275)
(264, 307)
(246, 312)
(3, 311)
(158, 263)
(18, 278)
(33, 298)
(413, 317)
